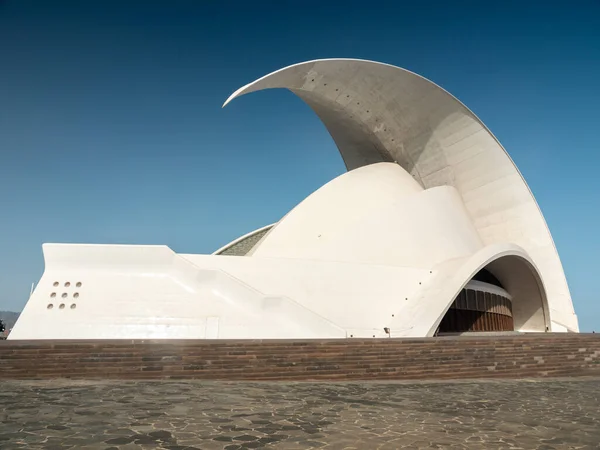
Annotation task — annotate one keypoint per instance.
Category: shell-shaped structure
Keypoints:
(381, 113)
(432, 230)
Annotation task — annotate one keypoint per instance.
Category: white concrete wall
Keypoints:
(145, 292)
(376, 214)
(369, 250)
(360, 298)
(514, 266)
(385, 245)
(377, 113)
(138, 292)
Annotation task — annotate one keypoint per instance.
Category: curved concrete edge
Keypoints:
(241, 238)
(360, 215)
(256, 84)
(335, 118)
(452, 276)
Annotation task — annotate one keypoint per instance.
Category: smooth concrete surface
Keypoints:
(142, 292)
(377, 112)
(376, 215)
(431, 198)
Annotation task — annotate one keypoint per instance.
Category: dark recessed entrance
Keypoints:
(481, 306)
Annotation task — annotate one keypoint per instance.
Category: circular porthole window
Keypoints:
(73, 306)
(62, 306)
(67, 284)
(55, 283)
(64, 295)
(50, 306)
(76, 295)
(78, 284)
(53, 295)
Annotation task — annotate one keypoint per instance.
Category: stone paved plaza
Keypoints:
(527, 414)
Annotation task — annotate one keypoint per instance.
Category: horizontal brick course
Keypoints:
(512, 356)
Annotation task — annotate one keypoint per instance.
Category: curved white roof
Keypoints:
(432, 198)
(381, 113)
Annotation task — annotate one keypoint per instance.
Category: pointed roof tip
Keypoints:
(251, 87)
(233, 96)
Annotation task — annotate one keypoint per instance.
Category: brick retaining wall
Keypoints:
(513, 356)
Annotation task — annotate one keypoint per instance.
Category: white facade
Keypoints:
(430, 199)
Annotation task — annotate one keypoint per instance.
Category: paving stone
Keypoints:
(558, 414)
(120, 440)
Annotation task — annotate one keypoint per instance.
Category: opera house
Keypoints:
(432, 230)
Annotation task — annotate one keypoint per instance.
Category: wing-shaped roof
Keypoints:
(377, 112)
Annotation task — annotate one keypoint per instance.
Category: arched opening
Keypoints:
(505, 295)
(482, 305)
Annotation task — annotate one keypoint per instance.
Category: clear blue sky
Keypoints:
(111, 127)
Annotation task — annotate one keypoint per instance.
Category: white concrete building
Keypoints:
(432, 229)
